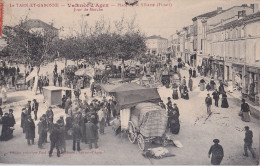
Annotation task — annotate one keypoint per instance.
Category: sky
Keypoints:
(152, 20)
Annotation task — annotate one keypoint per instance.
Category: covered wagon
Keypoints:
(141, 117)
(148, 122)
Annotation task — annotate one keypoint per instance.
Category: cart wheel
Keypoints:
(131, 132)
(164, 142)
(141, 143)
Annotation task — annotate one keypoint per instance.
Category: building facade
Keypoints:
(238, 42)
(156, 45)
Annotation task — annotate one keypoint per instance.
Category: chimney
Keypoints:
(254, 7)
(244, 5)
(219, 9)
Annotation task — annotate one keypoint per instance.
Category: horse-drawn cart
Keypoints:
(141, 117)
(147, 123)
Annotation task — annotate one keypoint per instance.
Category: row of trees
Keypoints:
(122, 40)
(103, 40)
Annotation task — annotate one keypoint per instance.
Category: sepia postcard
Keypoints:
(129, 82)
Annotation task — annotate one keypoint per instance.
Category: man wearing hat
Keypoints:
(50, 116)
(91, 132)
(11, 121)
(61, 127)
(30, 130)
(248, 142)
(45, 127)
(29, 108)
(169, 103)
(208, 102)
(76, 134)
(54, 138)
(217, 153)
(5, 136)
(41, 132)
(183, 81)
(35, 107)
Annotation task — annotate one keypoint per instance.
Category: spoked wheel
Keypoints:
(140, 141)
(164, 142)
(131, 132)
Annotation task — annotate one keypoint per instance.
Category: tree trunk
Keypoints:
(65, 72)
(123, 69)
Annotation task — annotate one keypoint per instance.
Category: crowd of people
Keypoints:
(85, 120)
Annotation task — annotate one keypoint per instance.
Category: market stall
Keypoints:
(53, 95)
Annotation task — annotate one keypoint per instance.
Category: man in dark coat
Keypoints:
(63, 101)
(173, 120)
(61, 125)
(29, 108)
(41, 132)
(212, 83)
(54, 138)
(67, 105)
(208, 102)
(208, 87)
(60, 80)
(5, 134)
(11, 121)
(194, 73)
(35, 107)
(77, 93)
(45, 126)
(190, 84)
(76, 131)
(217, 153)
(91, 133)
(30, 130)
(50, 116)
(215, 95)
(23, 118)
(169, 103)
(40, 84)
(190, 72)
(221, 88)
(248, 142)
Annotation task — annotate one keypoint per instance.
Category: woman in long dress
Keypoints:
(224, 103)
(245, 111)
(175, 91)
(173, 120)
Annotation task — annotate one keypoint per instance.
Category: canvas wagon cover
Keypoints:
(127, 99)
(110, 88)
(150, 119)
